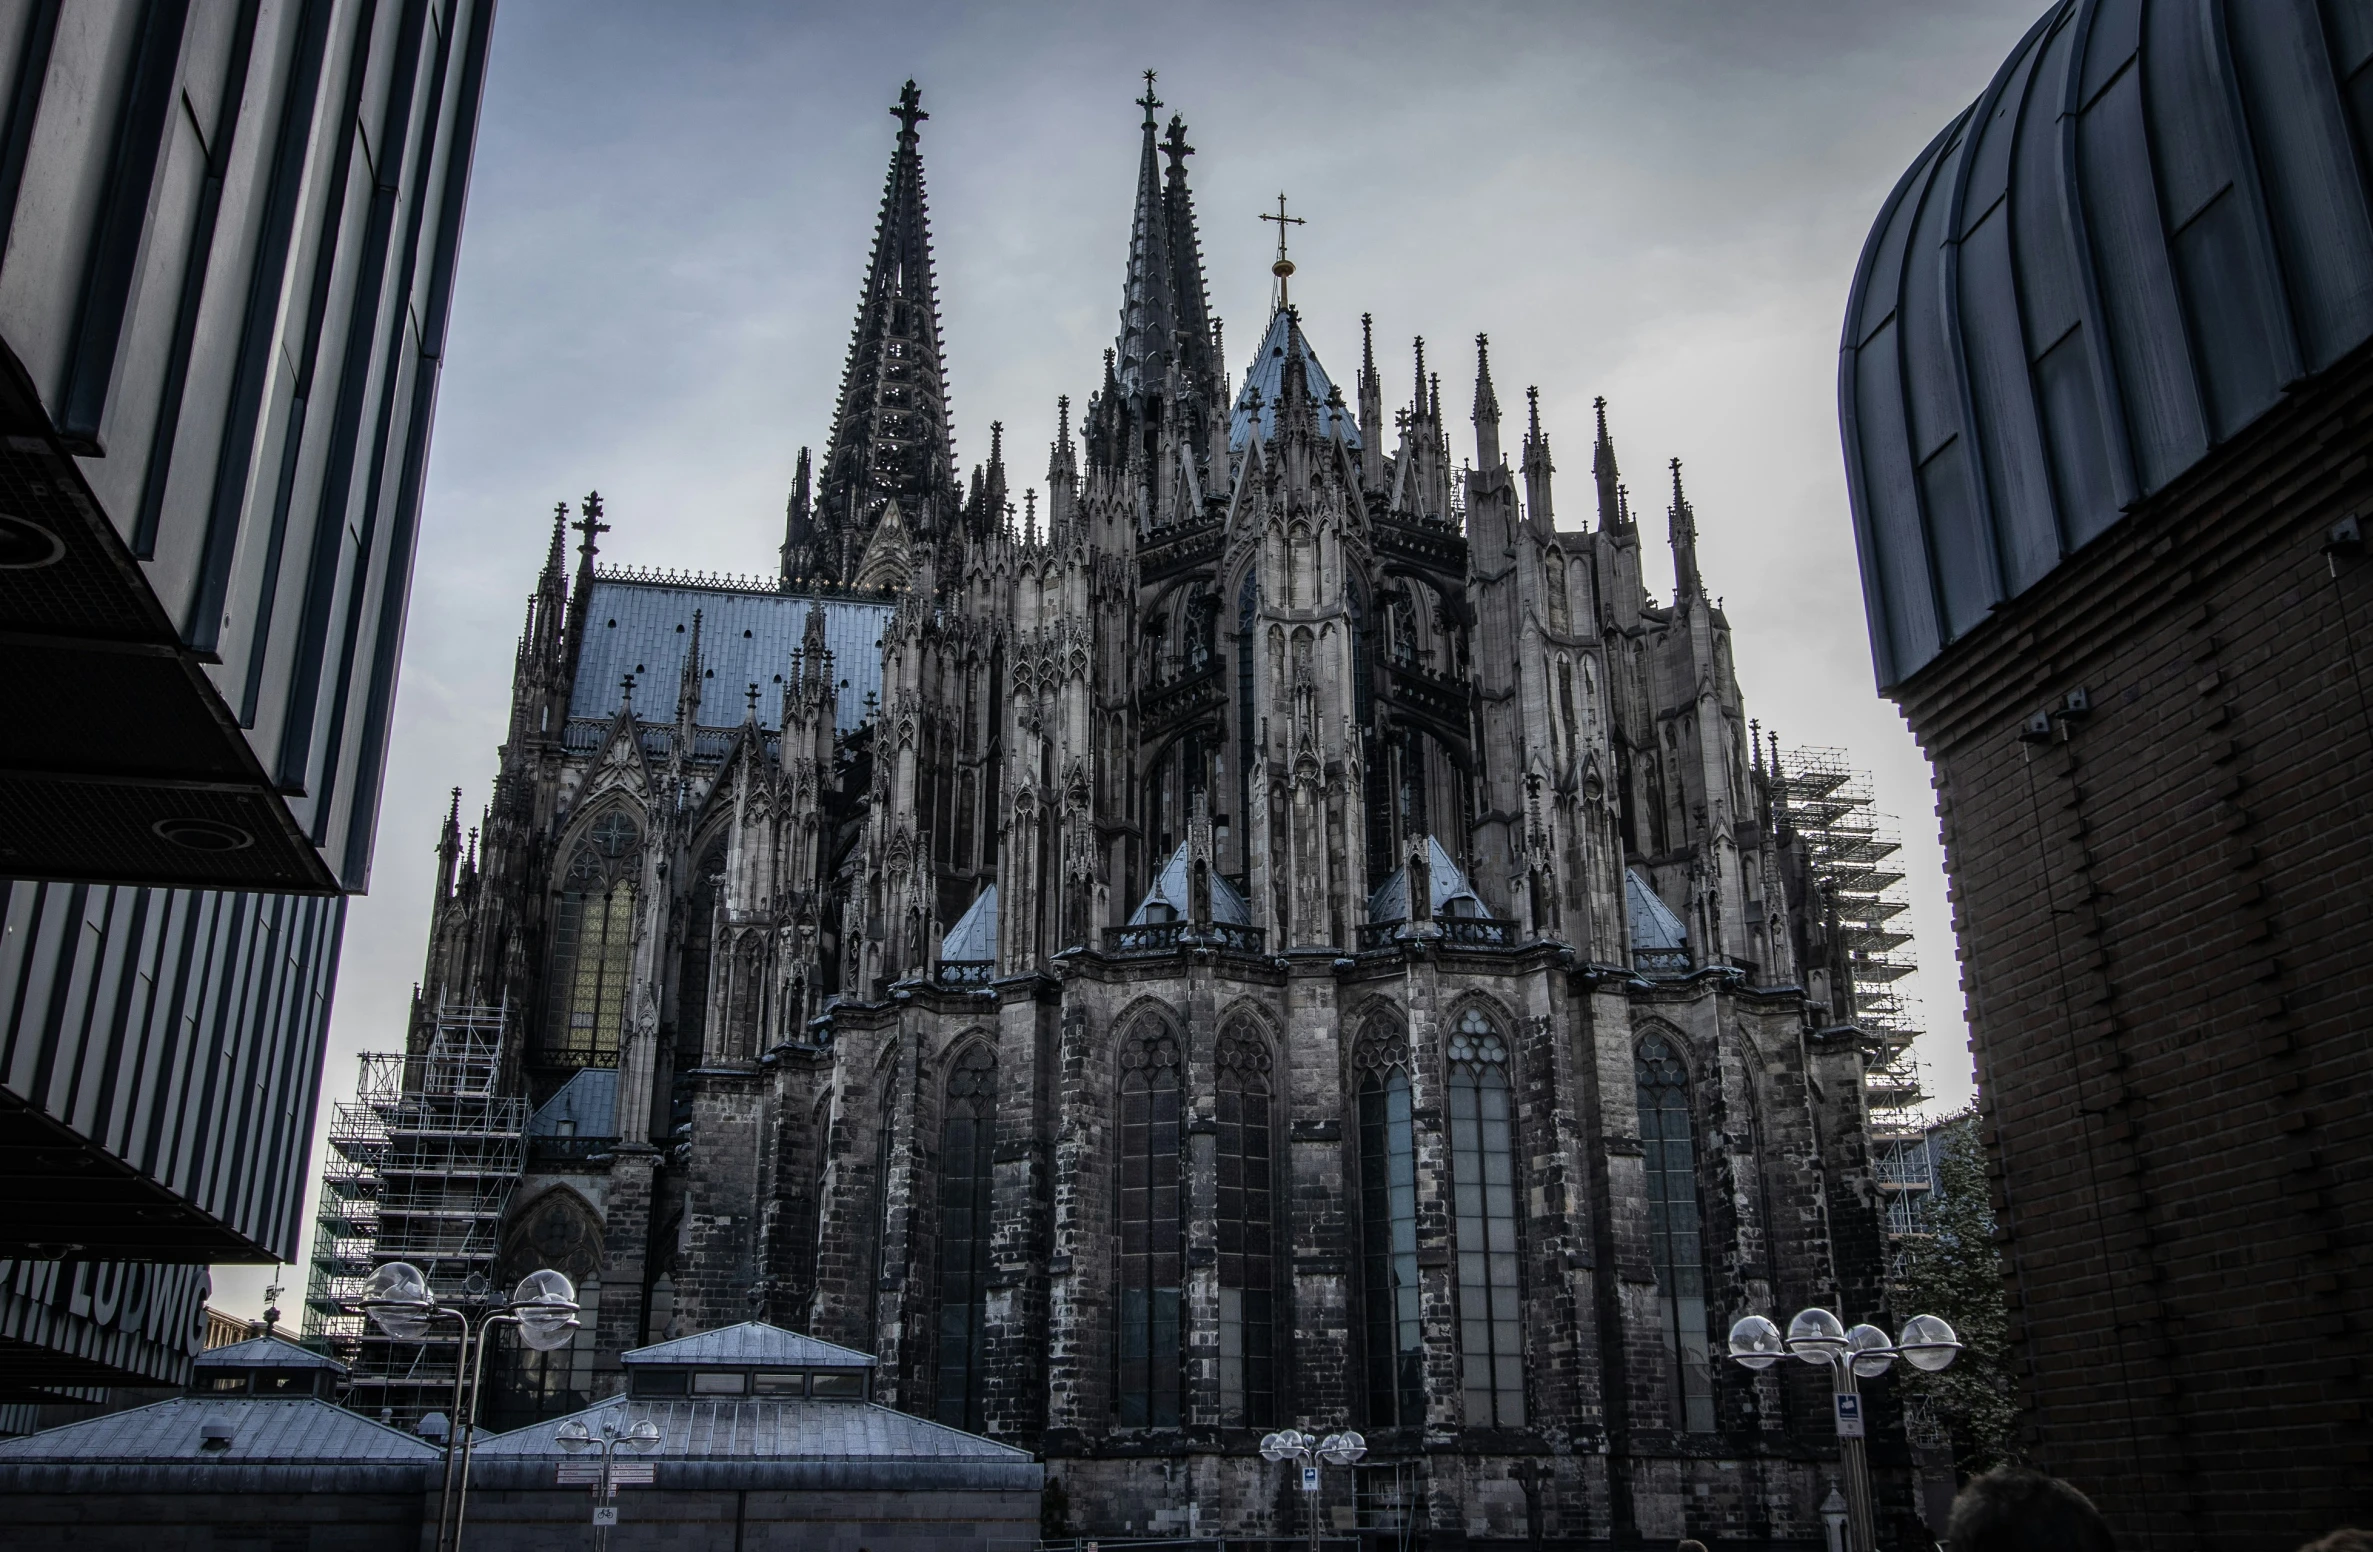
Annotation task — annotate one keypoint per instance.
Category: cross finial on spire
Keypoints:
(752, 695)
(1283, 268)
(1149, 101)
(591, 526)
(909, 111)
(1174, 144)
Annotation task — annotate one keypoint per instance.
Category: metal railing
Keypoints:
(1145, 939)
(967, 972)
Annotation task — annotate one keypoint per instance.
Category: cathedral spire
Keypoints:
(1197, 330)
(1149, 313)
(688, 686)
(1613, 515)
(1062, 470)
(1537, 467)
(799, 523)
(993, 482)
(1487, 408)
(1686, 582)
(890, 433)
(449, 848)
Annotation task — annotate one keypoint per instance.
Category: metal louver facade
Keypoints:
(229, 235)
(2154, 223)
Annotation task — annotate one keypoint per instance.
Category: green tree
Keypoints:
(1949, 1268)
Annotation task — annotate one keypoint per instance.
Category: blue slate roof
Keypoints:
(974, 937)
(1390, 901)
(262, 1430)
(589, 1099)
(1653, 924)
(266, 1352)
(1264, 381)
(1171, 888)
(753, 1342)
(746, 637)
(793, 1428)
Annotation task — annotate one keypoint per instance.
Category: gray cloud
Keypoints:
(1660, 201)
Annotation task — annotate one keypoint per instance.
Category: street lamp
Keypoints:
(1816, 1336)
(403, 1306)
(1336, 1449)
(574, 1437)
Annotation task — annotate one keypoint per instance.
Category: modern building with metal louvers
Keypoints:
(2105, 394)
(227, 245)
(230, 237)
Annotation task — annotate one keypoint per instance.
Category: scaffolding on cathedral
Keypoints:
(1851, 846)
(422, 1165)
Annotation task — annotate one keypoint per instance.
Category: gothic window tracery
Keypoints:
(1483, 1185)
(593, 947)
(967, 1174)
(1395, 1350)
(700, 933)
(1668, 1140)
(1247, 1232)
(1150, 1392)
(1561, 615)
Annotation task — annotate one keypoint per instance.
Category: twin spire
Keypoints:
(1165, 310)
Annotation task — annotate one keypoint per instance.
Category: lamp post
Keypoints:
(1816, 1336)
(574, 1437)
(1336, 1449)
(403, 1306)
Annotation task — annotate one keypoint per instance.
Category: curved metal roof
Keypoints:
(2154, 220)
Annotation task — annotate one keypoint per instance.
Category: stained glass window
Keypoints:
(1247, 1233)
(593, 947)
(1483, 1188)
(967, 1173)
(1668, 1139)
(1394, 1346)
(1152, 1246)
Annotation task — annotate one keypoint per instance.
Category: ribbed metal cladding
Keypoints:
(2154, 221)
(231, 232)
(159, 1066)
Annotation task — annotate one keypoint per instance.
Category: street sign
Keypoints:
(1309, 1479)
(631, 1473)
(580, 1473)
(607, 1514)
(1849, 1416)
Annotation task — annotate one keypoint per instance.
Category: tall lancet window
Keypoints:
(1483, 1185)
(1553, 582)
(967, 1173)
(1668, 1139)
(593, 947)
(1247, 1233)
(1394, 1346)
(1153, 1232)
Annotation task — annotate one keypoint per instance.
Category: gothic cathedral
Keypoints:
(1285, 935)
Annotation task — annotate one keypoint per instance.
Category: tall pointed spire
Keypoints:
(1148, 300)
(1487, 408)
(1686, 582)
(799, 523)
(890, 432)
(1191, 316)
(1062, 470)
(1537, 467)
(1613, 515)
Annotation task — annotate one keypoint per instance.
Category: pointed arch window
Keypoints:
(593, 947)
(1395, 1349)
(1561, 614)
(1150, 1392)
(1247, 1232)
(692, 975)
(967, 1176)
(1668, 1141)
(1483, 1188)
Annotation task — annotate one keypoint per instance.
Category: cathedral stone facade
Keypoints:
(1282, 934)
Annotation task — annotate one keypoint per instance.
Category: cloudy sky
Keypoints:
(1660, 201)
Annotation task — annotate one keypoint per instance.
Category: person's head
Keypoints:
(2012, 1509)
(2346, 1539)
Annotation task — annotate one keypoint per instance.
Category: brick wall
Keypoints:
(2162, 906)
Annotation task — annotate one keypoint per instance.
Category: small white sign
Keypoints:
(607, 1514)
(1309, 1479)
(1849, 1416)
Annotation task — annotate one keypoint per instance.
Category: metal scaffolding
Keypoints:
(422, 1166)
(1851, 848)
